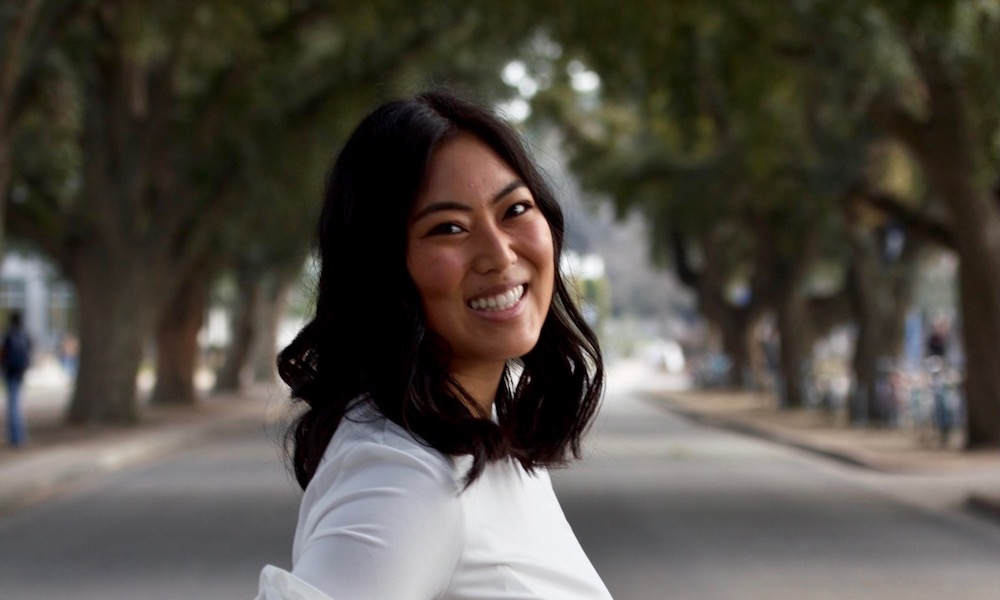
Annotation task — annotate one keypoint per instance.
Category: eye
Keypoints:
(445, 229)
(519, 208)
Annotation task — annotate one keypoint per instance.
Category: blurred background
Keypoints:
(790, 195)
(797, 199)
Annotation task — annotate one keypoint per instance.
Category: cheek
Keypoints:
(543, 252)
(437, 275)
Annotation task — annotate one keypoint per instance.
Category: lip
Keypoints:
(500, 315)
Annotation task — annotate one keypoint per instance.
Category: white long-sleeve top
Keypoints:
(385, 517)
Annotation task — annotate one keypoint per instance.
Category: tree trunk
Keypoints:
(881, 289)
(5, 171)
(977, 216)
(795, 353)
(948, 156)
(114, 315)
(863, 282)
(961, 171)
(117, 254)
(779, 271)
(269, 313)
(177, 341)
(735, 323)
(231, 375)
(979, 284)
(736, 328)
(864, 363)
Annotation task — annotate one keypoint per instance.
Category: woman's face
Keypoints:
(480, 253)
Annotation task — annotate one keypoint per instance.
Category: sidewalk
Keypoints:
(884, 450)
(59, 457)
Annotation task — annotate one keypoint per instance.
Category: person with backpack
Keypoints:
(15, 358)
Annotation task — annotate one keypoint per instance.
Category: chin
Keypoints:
(521, 350)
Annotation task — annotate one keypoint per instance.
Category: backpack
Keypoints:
(16, 352)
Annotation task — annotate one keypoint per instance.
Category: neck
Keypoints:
(480, 381)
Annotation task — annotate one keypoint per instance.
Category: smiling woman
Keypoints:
(423, 457)
(480, 254)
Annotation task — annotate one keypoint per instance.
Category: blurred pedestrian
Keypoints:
(68, 352)
(15, 358)
(940, 374)
(445, 369)
(937, 341)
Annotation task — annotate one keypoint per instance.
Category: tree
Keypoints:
(700, 124)
(302, 97)
(926, 75)
(780, 82)
(177, 329)
(160, 96)
(264, 267)
(28, 30)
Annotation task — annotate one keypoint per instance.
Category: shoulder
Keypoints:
(380, 502)
(366, 443)
(371, 457)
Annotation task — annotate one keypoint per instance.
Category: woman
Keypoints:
(446, 367)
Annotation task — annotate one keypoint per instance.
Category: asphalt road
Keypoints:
(664, 508)
(667, 509)
(199, 524)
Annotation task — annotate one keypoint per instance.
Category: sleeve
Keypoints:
(384, 523)
(278, 584)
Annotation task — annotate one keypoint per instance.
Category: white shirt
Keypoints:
(385, 517)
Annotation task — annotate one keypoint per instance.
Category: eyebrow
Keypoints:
(452, 205)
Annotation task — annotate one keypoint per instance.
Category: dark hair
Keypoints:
(369, 336)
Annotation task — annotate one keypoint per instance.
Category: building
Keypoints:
(31, 285)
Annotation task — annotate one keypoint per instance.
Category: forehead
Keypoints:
(465, 168)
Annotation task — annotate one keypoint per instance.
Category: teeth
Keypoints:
(500, 301)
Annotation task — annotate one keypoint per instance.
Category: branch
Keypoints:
(232, 77)
(916, 222)
(48, 32)
(898, 122)
(40, 221)
(828, 312)
(293, 23)
(11, 51)
(682, 262)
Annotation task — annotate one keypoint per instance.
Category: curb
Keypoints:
(770, 434)
(984, 505)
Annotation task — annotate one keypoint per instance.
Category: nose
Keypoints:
(494, 250)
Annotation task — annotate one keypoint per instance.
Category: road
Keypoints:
(666, 509)
(199, 524)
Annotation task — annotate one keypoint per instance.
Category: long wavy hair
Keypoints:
(369, 337)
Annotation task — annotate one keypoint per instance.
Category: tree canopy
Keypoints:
(776, 149)
(749, 134)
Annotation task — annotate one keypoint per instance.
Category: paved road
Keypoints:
(666, 509)
(197, 525)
